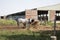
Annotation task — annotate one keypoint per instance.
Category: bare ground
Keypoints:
(37, 28)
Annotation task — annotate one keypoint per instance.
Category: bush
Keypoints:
(4, 22)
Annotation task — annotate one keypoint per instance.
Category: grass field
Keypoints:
(20, 34)
(24, 34)
(10, 31)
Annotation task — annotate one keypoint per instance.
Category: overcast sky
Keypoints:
(13, 6)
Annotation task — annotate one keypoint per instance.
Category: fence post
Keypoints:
(54, 37)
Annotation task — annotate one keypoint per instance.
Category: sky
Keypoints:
(13, 6)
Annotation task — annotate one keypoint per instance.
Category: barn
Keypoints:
(41, 13)
(45, 13)
(16, 15)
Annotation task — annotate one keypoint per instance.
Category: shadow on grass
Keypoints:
(24, 37)
(33, 36)
(42, 35)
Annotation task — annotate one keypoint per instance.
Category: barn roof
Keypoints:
(50, 7)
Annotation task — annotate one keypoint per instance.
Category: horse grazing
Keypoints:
(26, 22)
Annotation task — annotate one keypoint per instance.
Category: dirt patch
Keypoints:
(37, 28)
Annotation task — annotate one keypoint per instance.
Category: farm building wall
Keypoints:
(51, 14)
(31, 14)
(46, 15)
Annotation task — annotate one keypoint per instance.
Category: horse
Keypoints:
(22, 20)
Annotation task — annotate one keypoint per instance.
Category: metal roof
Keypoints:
(50, 7)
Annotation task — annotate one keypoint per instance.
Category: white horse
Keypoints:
(25, 20)
(22, 20)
